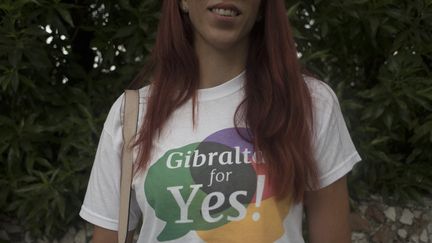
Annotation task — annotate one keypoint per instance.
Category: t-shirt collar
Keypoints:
(223, 89)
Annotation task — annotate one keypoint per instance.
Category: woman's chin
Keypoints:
(224, 42)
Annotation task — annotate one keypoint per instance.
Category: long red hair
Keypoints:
(282, 129)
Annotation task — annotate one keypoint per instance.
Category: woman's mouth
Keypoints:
(225, 12)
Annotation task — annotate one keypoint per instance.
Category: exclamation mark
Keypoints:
(258, 195)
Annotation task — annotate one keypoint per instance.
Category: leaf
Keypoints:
(66, 16)
(61, 205)
(292, 9)
(29, 164)
(14, 82)
(125, 4)
(374, 25)
(43, 162)
(23, 2)
(125, 31)
(316, 55)
(38, 58)
(31, 188)
(4, 82)
(15, 58)
(54, 175)
(380, 140)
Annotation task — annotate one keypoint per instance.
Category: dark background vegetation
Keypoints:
(58, 82)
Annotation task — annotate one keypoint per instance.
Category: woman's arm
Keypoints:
(327, 211)
(102, 235)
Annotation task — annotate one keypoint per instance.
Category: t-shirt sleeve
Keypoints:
(334, 150)
(101, 202)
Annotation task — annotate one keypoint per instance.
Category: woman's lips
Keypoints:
(225, 10)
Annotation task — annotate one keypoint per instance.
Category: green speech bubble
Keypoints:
(176, 198)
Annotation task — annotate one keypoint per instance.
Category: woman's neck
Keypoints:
(218, 66)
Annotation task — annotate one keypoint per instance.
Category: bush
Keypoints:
(377, 55)
(58, 82)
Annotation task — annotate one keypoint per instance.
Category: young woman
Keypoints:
(234, 140)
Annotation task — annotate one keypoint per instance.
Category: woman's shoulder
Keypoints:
(323, 97)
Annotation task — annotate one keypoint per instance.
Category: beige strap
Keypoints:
(130, 123)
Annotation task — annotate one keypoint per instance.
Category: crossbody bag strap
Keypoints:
(130, 124)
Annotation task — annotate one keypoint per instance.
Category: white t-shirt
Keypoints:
(204, 184)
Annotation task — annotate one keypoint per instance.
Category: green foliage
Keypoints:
(378, 57)
(54, 100)
(57, 84)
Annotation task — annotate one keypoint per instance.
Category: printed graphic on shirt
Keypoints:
(218, 188)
